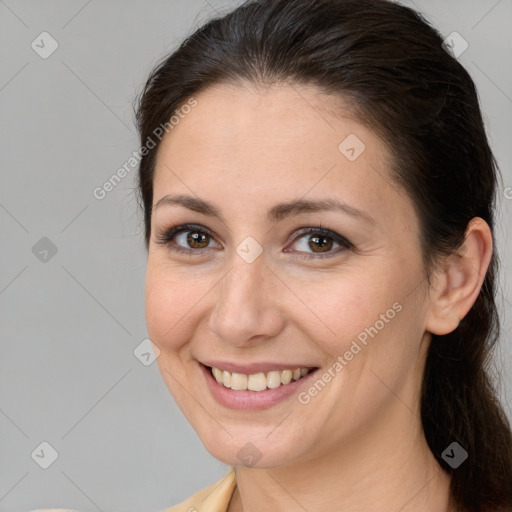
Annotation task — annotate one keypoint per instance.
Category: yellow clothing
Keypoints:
(214, 498)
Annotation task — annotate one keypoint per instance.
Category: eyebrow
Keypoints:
(275, 214)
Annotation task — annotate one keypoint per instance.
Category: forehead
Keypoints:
(259, 144)
(240, 116)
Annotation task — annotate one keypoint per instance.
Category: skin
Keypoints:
(358, 445)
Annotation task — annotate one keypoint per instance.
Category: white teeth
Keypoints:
(257, 381)
(286, 376)
(238, 381)
(273, 379)
(226, 379)
(218, 375)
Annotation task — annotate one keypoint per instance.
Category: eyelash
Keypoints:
(168, 235)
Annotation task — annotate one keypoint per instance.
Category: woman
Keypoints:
(318, 194)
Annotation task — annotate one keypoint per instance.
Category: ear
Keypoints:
(458, 280)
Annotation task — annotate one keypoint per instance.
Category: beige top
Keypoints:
(214, 498)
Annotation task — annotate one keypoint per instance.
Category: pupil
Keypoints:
(194, 238)
(321, 242)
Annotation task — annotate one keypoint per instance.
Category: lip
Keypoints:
(250, 369)
(252, 400)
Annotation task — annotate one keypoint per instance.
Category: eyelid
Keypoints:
(339, 239)
(168, 235)
(318, 230)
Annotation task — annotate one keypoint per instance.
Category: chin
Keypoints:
(251, 448)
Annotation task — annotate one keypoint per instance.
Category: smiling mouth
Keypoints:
(258, 381)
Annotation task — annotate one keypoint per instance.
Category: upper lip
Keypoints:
(252, 368)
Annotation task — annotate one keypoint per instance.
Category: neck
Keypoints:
(385, 468)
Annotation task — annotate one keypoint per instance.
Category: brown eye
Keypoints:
(186, 238)
(197, 239)
(319, 242)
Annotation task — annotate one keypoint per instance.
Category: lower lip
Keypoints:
(252, 400)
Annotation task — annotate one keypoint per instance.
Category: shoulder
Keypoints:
(214, 498)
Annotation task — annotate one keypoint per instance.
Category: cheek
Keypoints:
(345, 304)
(170, 304)
(169, 308)
(363, 315)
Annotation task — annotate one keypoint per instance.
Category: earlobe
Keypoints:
(459, 279)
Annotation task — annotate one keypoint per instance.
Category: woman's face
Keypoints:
(247, 288)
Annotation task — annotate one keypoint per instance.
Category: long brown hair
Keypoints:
(390, 62)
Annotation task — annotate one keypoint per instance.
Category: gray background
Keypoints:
(69, 325)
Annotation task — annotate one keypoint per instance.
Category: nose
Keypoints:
(247, 305)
